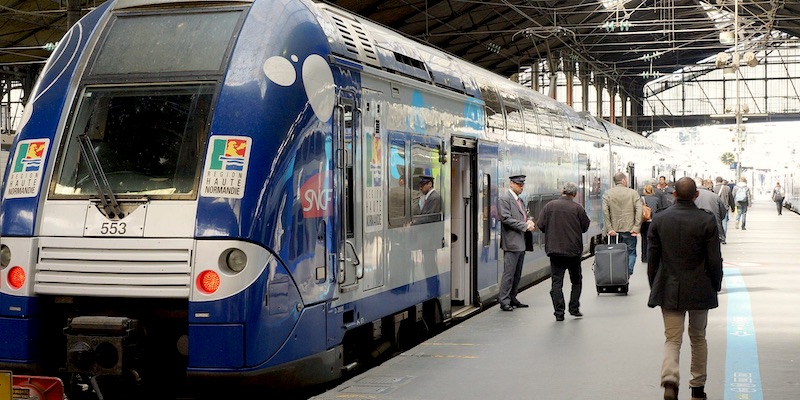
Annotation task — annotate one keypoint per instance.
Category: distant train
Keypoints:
(225, 191)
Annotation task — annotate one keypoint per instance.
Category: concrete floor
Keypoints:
(615, 350)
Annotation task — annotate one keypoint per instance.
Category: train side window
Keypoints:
(398, 184)
(487, 209)
(495, 123)
(514, 123)
(425, 208)
(530, 120)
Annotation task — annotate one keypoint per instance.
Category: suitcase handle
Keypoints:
(616, 238)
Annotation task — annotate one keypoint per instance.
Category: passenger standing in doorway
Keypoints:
(777, 196)
(515, 223)
(685, 273)
(723, 191)
(563, 221)
(743, 197)
(622, 215)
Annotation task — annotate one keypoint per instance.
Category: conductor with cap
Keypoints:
(515, 222)
(431, 201)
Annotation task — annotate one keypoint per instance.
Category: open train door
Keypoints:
(463, 170)
(348, 178)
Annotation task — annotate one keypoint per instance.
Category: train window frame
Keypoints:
(515, 123)
(94, 120)
(397, 163)
(487, 210)
(493, 111)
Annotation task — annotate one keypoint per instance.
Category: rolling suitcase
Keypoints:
(611, 267)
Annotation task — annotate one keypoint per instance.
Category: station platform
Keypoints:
(615, 350)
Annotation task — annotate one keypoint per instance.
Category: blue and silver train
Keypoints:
(226, 191)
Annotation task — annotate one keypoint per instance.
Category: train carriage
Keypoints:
(227, 191)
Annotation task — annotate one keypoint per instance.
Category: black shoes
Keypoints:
(698, 393)
(519, 305)
(506, 307)
(576, 313)
(559, 317)
(670, 391)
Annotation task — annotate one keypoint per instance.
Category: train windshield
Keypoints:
(142, 140)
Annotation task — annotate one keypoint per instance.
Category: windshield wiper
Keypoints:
(110, 205)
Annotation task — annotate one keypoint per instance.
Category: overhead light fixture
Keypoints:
(722, 59)
(750, 59)
(726, 37)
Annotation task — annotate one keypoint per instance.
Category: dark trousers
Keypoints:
(643, 234)
(512, 271)
(559, 265)
(779, 203)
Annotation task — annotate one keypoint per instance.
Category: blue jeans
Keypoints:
(741, 213)
(630, 241)
(725, 224)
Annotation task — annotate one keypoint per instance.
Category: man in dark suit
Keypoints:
(431, 200)
(685, 272)
(515, 223)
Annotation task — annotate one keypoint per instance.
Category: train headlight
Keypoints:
(5, 256)
(235, 260)
(16, 277)
(208, 281)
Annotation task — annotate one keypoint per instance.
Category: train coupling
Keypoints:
(99, 345)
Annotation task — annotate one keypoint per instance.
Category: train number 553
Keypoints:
(113, 228)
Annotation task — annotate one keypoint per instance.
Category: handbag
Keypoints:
(528, 241)
(647, 212)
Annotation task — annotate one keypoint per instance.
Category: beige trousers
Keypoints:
(673, 333)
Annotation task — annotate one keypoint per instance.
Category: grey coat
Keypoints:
(684, 262)
(514, 223)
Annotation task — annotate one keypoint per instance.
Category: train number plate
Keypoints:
(97, 224)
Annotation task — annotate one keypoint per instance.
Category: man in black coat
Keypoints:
(685, 272)
(563, 221)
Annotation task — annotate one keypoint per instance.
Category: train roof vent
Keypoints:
(357, 43)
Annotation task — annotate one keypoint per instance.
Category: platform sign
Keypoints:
(6, 386)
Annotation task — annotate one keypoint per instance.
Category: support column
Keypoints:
(535, 71)
(569, 72)
(552, 66)
(583, 76)
(624, 100)
(599, 85)
(612, 96)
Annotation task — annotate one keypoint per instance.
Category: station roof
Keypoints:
(626, 43)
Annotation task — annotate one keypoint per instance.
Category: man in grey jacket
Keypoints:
(622, 215)
(563, 222)
(707, 200)
(684, 268)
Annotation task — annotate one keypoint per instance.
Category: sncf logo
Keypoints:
(316, 195)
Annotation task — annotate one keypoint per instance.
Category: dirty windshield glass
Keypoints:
(148, 140)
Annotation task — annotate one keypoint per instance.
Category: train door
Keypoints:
(488, 265)
(463, 203)
(348, 150)
(373, 143)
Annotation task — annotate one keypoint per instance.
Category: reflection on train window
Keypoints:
(398, 184)
(495, 123)
(146, 141)
(347, 124)
(426, 195)
(486, 196)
